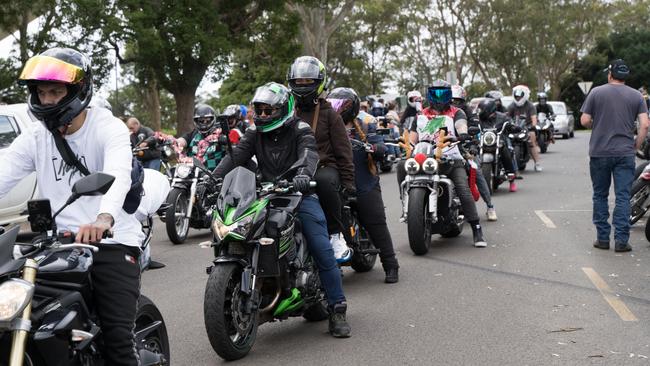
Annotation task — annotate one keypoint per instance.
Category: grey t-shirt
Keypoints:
(528, 109)
(613, 109)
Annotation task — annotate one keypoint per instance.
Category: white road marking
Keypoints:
(545, 219)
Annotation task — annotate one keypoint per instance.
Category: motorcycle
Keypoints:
(544, 131)
(46, 311)
(520, 142)
(492, 141)
(640, 196)
(390, 158)
(429, 201)
(190, 200)
(262, 270)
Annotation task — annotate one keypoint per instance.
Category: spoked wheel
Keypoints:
(176, 222)
(418, 230)
(157, 341)
(231, 332)
(640, 192)
(362, 262)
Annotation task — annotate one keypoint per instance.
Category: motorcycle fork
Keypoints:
(248, 282)
(192, 193)
(23, 324)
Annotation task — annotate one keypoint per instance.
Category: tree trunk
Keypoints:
(152, 103)
(184, 109)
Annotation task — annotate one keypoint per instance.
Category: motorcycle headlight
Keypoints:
(411, 166)
(522, 135)
(183, 171)
(430, 166)
(168, 151)
(15, 294)
(489, 138)
(237, 230)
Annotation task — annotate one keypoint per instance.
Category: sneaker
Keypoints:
(477, 232)
(491, 214)
(513, 186)
(338, 325)
(601, 244)
(538, 167)
(392, 275)
(622, 247)
(341, 251)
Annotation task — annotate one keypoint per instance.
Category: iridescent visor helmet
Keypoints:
(346, 102)
(439, 97)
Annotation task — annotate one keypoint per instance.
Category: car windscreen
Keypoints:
(558, 108)
(8, 131)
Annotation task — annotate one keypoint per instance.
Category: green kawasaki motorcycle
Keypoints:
(262, 271)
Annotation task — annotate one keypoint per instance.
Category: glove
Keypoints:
(301, 183)
(464, 137)
(348, 193)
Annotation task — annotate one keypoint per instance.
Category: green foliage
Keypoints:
(129, 101)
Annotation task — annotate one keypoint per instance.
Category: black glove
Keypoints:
(301, 183)
(348, 193)
(464, 137)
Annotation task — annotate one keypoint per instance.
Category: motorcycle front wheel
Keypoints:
(418, 230)
(640, 192)
(176, 223)
(231, 332)
(486, 169)
(543, 144)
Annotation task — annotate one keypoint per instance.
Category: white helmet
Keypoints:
(411, 94)
(458, 92)
(521, 93)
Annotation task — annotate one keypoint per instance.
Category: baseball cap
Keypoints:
(619, 69)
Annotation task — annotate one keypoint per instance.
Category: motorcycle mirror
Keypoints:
(474, 130)
(95, 184)
(197, 162)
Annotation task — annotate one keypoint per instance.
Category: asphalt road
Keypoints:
(537, 295)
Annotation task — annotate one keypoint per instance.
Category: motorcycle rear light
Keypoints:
(420, 158)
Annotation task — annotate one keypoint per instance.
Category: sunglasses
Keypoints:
(264, 111)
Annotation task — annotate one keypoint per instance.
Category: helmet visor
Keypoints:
(46, 68)
(305, 70)
(273, 95)
(339, 105)
(439, 95)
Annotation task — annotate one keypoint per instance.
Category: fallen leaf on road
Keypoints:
(555, 354)
(562, 343)
(631, 355)
(411, 325)
(560, 306)
(489, 288)
(595, 356)
(438, 274)
(565, 330)
(642, 356)
(613, 275)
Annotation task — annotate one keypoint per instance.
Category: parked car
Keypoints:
(564, 122)
(14, 120)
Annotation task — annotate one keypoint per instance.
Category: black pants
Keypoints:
(116, 288)
(506, 159)
(372, 216)
(328, 188)
(456, 172)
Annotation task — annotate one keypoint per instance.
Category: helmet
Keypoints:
(486, 108)
(542, 97)
(521, 94)
(413, 97)
(101, 102)
(458, 92)
(439, 95)
(276, 100)
(346, 102)
(233, 114)
(204, 118)
(494, 94)
(58, 65)
(307, 67)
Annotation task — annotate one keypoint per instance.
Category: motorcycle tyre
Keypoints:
(639, 169)
(487, 174)
(362, 262)
(147, 314)
(639, 186)
(214, 309)
(170, 224)
(521, 164)
(543, 144)
(647, 230)
(419, 237)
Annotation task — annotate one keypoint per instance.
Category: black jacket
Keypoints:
(276, 151)
(145, 134)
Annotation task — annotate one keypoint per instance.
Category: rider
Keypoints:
(60, 83)
(414, 107)
(278, 139)
(203, 141)
(142, 136)
(458, 96)
(523, 106)
(372, 215)
(543, 106)
(489, 117)
(335, 174)
(236, 122)
(496, 95)
(455, 120)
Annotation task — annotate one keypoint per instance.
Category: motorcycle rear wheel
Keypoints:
(418, 231)
(231, 333)
(640, 192)
(362, 262)
(158, 341)
(176, 223)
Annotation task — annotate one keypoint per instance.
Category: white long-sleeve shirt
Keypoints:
(102, 144)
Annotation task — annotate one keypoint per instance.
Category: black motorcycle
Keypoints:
(46, 311)
(190, 200)
(492, 141)
(389, 159)
(544, 131)
(521, 143)
(262, 271)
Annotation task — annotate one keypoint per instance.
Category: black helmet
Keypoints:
(542, 98)
(232, 114)
(346, 102)
(307, 67)
(439, 95)
(273, 106)
(486, 108)
(494, 94)
(63, 66)
(204, 118)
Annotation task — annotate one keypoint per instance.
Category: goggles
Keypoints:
(46, 68)
(439, 95)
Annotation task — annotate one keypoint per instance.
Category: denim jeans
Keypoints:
(152, 164)
(314, 228)
(602, 170)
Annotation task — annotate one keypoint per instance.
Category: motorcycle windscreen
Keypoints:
(425, 148)
(238, 190)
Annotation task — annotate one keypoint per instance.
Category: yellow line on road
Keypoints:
(545, 219)
(616, 303)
